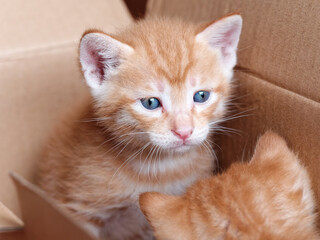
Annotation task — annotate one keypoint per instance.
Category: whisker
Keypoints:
(211, 149)
(124, 164)
(245, 48)
(120, 144)
(136, 154)
(95, 119)
(151, 156)
(146, 160)
(141, 166)
(220, 129)
(124, 147)
(236, 97)
(215, 144)
(157, 157)
(212, 152)
(234, 116)
(159, 160)
(121, 136)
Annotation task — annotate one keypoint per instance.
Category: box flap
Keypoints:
(8, 220)
(42, 217)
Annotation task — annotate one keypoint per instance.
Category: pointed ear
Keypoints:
(271, 146)
(223, 35)
(100, 56)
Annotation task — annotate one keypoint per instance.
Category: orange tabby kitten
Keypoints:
(158, 88)
(268, 198)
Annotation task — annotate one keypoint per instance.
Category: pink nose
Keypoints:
(183, 133)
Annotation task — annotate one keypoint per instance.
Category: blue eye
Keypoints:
(201, 96)
(150, 103)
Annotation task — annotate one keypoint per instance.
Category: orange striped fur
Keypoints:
(268, 198)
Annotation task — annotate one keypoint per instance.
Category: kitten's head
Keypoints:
(161, 82)
(268, 198)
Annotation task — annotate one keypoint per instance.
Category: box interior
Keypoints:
(276, 87)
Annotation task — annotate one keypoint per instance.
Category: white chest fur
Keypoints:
(198, 167)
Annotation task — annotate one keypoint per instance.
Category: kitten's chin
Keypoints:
(181, 148)
(178, 145)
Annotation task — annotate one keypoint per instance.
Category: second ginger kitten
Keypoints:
(269, 198)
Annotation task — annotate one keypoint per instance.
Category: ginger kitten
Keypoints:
(158, 88)
(268, 198)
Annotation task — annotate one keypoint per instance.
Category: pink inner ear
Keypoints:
(100, 56)
(229, 39)
(224, 35)
(96, 60)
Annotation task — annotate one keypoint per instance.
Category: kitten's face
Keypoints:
(167, 85)
(268, 198)
(175, 111)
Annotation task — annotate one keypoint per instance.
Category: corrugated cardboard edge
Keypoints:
(43, 218)
(9, 222)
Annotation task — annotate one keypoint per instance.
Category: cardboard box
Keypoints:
(277, 88)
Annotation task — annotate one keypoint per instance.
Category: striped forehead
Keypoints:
(171, 60)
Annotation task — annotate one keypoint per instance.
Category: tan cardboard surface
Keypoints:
(280, 39)
(43, 219)
(39, 75)
(33, 24)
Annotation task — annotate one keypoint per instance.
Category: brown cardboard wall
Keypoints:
(13, 236)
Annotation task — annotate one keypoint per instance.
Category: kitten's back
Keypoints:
(268, 198)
